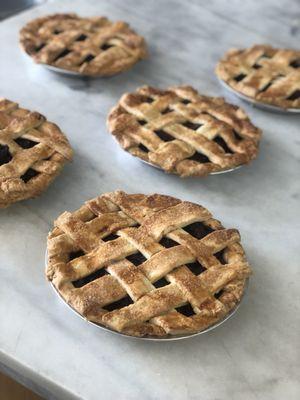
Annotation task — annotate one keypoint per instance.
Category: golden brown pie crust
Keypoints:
(136, 263)
(90, 46)
(32, 153)
(183, 132)
(263, 73)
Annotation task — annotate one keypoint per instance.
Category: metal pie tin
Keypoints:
(153, 338)
(160, 169)
(62, 71)
(258, 104)
(212, 173)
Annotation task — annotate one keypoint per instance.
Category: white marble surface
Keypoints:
(255, 355)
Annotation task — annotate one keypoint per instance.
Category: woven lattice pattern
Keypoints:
(263, 73)
(183, 132)
(32, 153)
(146, 265)
(90, 46)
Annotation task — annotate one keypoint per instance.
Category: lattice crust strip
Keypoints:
(264, 73)
(90, 46)
(32, 153)
(146, 265)
(183, 132)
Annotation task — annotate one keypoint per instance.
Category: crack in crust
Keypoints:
(263, 73)
(143, 295)
(183, 132)
(91, 46)
(33, 151)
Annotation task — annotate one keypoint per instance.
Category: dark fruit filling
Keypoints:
(126, 301)
(164, 136)
(136, 258)
(198, 230)
(196, 268)
(5, 155)
(199, 157)
(29, 174)
(221, 142)
(161, 283)
(186, 310)
(25, 143)
(239, 77)
(87, 279)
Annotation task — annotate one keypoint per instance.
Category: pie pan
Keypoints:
(156, 339)
(258, 104)
(57, 70)
(147, 265)
(63, 71)
(212, 173)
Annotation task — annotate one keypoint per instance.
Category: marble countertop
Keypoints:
(254, 355)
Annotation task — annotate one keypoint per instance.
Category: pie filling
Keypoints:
(166, 137)
(295, 64)
(136, 258)
(221, 142)
(29, 174)
(5, 156)
(199, 157)
(239, 77)
(166, 111)
(186, 310)
(62, 54)
(191, 125)
(143, 148)
(25, 143)
(198, 230)
(95, 275)
(81, 38)
(294, 96)
(124, 302)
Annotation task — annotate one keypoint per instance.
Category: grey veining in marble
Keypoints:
(255, 355)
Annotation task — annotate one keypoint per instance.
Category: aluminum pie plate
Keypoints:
(61, 71)
(157, 339)
(57, 70)
(258, 104)
(212, 173)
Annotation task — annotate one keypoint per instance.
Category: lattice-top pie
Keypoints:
(91, 46)
(146, 265)
(32, 153)
(263, 73)
(183, 132)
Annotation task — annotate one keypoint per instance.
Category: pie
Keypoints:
(146, 265)
(183, 132)
(32, 153)
(263, 73)
(90, 46)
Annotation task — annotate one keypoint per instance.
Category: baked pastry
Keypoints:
(146, 265)
(183, 132)
(32, 153)
(263, 73)
(90, 46)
